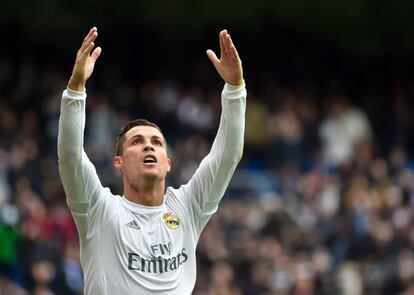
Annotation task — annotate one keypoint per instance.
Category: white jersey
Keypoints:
(127, 248)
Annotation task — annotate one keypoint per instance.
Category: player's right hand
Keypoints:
(85, 61)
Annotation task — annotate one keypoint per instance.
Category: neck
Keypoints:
(145, 193)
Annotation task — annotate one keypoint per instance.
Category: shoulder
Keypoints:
(175, 195)
(177, 199)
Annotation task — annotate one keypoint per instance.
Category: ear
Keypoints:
(117, 162)
(169, 165)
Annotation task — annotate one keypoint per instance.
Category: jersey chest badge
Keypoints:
(171, 220)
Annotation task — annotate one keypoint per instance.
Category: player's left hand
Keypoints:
(229, 65)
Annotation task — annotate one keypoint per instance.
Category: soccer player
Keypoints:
(144, 242)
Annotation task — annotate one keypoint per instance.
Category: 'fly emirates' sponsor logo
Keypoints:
(158, 264)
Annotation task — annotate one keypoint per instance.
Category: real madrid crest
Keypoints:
(171, 220)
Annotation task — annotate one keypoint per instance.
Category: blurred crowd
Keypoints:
(321, 202)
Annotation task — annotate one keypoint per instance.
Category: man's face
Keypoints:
(144, 155)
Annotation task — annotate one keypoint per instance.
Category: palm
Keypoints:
(83, 68)
(230, 70)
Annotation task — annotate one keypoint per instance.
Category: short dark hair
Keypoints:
(121, 135)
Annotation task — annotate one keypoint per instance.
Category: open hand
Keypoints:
(85, 61)
(229, 65)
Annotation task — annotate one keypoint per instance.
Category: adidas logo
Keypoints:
(133, 224)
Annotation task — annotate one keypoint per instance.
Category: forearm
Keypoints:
(228, 144)
(71, 125)
(77, 173)
(215, 171)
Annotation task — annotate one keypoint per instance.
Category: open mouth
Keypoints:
(150, 160)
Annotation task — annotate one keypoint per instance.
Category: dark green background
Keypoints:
(365, 26)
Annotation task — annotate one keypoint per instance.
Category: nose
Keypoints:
(148, 147)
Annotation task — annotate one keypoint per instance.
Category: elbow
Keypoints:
(232, 159)
(66, 157)
(239, 155)
(239, 148)
(65, 164)
(234, 151)
(66, 150)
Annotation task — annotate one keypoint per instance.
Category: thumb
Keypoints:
(213, 57)
(96, 53)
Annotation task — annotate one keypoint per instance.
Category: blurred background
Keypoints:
(322, 200)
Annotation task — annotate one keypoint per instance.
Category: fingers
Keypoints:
(89, 35)
(234, 54)
(225, 42)
(222, 42)
(96, 53)
(226, 45)
(88, 43)
(213, 57)
(87, 49)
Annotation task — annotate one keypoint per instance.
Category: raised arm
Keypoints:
(77, 173)
(208, 184)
